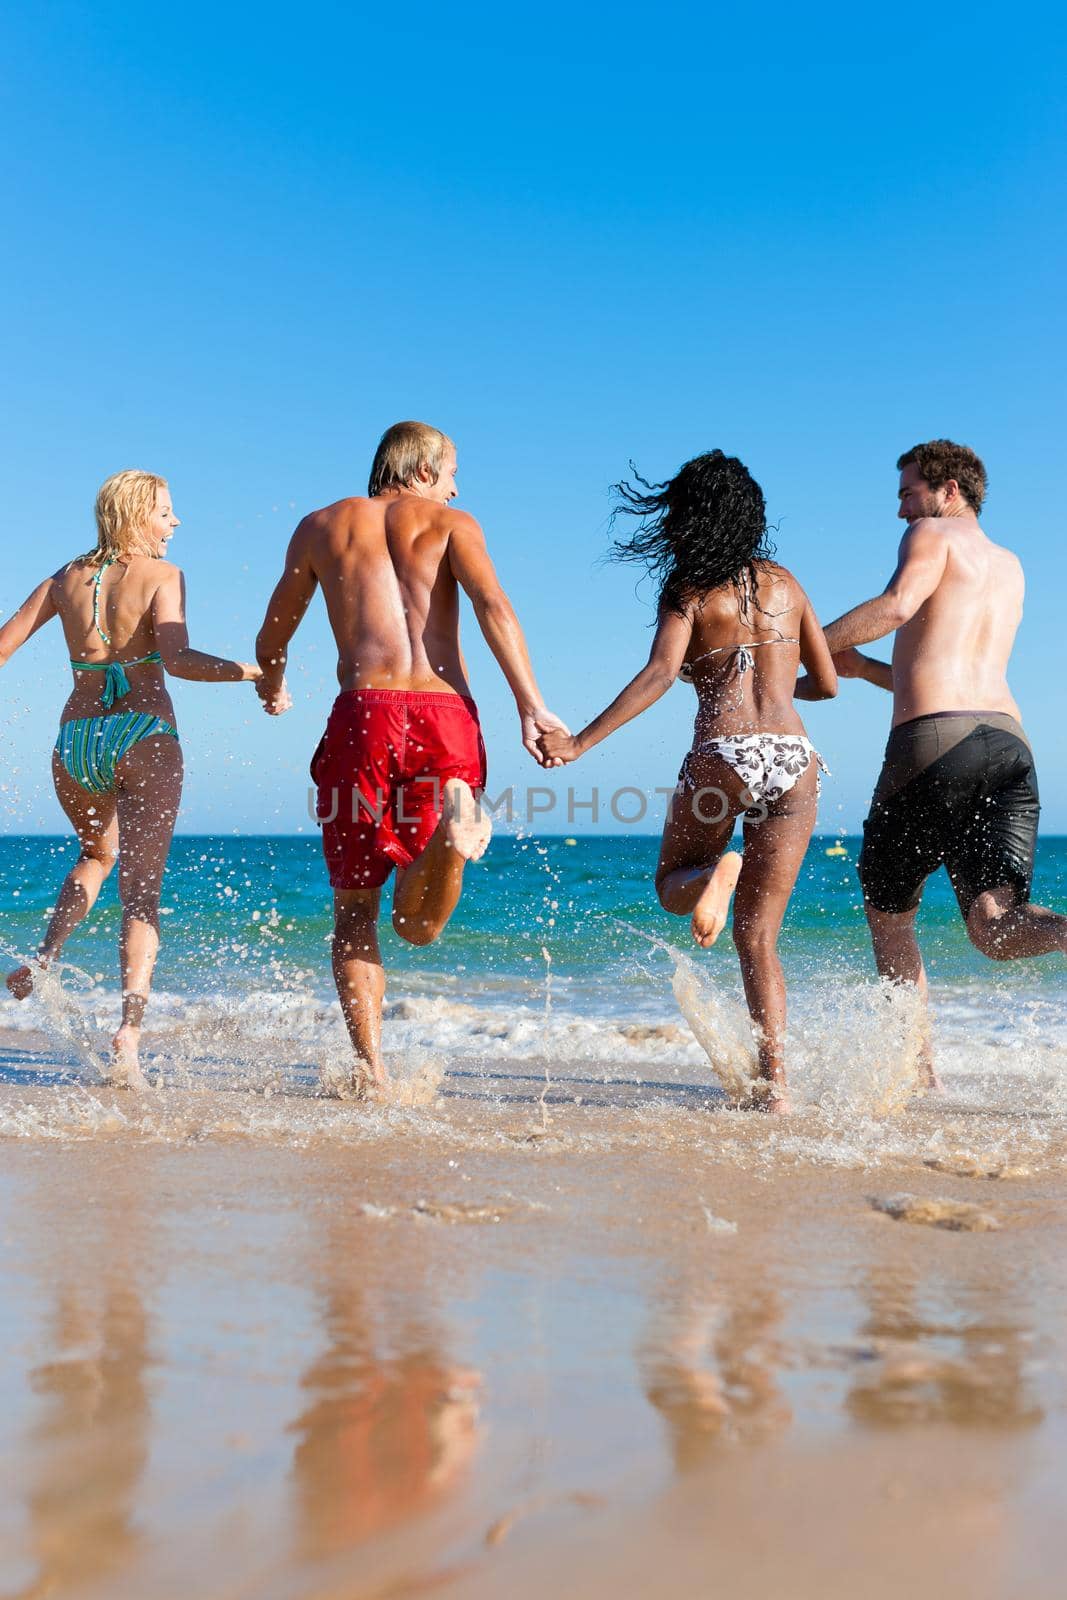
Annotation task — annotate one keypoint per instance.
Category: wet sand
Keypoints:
(605, 1339)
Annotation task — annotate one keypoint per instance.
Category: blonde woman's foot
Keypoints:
(124, 1068)
(20, 982)
(710, 912)
(929, 1082)
(467, 825)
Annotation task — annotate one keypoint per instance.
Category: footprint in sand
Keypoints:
(931, 1211)
(461, 1211)
(962, 1166)
(443, 1211)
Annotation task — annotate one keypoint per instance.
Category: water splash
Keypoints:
(721, 1026)
(854, 1051)
(59, 1014)
(546, 953)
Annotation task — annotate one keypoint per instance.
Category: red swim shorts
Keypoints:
(380, 771)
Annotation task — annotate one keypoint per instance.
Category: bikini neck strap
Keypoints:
(96, 598)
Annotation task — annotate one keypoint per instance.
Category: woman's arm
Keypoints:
(172, 637)
(820, 682)
(651, 683)
(37, 609)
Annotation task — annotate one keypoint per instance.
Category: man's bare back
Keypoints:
(385, 567)
(390, 567)
(952, 654)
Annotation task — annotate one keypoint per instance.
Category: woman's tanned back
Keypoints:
(763, 698)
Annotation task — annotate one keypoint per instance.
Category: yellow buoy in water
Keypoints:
(570, 841)
(837, 850)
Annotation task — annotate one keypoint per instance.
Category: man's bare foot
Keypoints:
(709, 914)
(467, 825)
(124, 1070)
(20, 982)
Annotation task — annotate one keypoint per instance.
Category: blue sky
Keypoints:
(248, 238)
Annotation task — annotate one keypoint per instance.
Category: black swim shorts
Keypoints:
(957, 788)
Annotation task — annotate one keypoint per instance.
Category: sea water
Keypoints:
(243, 993)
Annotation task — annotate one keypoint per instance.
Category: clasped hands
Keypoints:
(274, 697)
(548, 739)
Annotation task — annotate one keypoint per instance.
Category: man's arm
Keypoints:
(476, 576)
(920, 568)
(285, 611)
(37, 609)
(854, 664)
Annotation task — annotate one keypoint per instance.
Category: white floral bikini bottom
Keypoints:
(768, 764)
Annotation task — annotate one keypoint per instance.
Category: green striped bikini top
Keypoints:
(116, 683)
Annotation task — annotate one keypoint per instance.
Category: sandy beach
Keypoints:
(600, 1338)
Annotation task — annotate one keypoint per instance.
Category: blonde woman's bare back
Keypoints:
(125, 595)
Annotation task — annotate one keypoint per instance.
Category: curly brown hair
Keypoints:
(939, 460)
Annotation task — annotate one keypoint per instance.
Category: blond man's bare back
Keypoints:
(390, 589)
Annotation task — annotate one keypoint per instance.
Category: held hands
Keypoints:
(558, 747)
(535, 725)
(274, 697)
(849, 663)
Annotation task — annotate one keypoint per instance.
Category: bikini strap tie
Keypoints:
(116, 683)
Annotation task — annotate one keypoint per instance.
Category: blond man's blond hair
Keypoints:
(402, 451)
(124, 504)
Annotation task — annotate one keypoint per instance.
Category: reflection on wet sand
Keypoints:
(85, 1452)
(709, 1367)
(240, 1369)
(391, 1422)
(924, 1369)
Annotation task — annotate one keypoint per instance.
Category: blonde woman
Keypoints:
(117, 763)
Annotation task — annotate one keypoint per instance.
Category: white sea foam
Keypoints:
(250, 1063)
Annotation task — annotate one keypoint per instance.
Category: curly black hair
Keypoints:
(705, 527)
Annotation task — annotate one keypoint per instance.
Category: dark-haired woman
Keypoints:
(737, 625)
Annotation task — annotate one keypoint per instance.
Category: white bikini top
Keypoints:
(744, 661)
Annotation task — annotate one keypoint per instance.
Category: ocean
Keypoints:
(558, 949)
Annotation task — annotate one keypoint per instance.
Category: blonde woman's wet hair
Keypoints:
(403, 449)
(124, 504)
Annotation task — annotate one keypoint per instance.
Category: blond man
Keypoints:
(401, 765)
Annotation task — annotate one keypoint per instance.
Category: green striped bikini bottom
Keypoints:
(90, 748)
